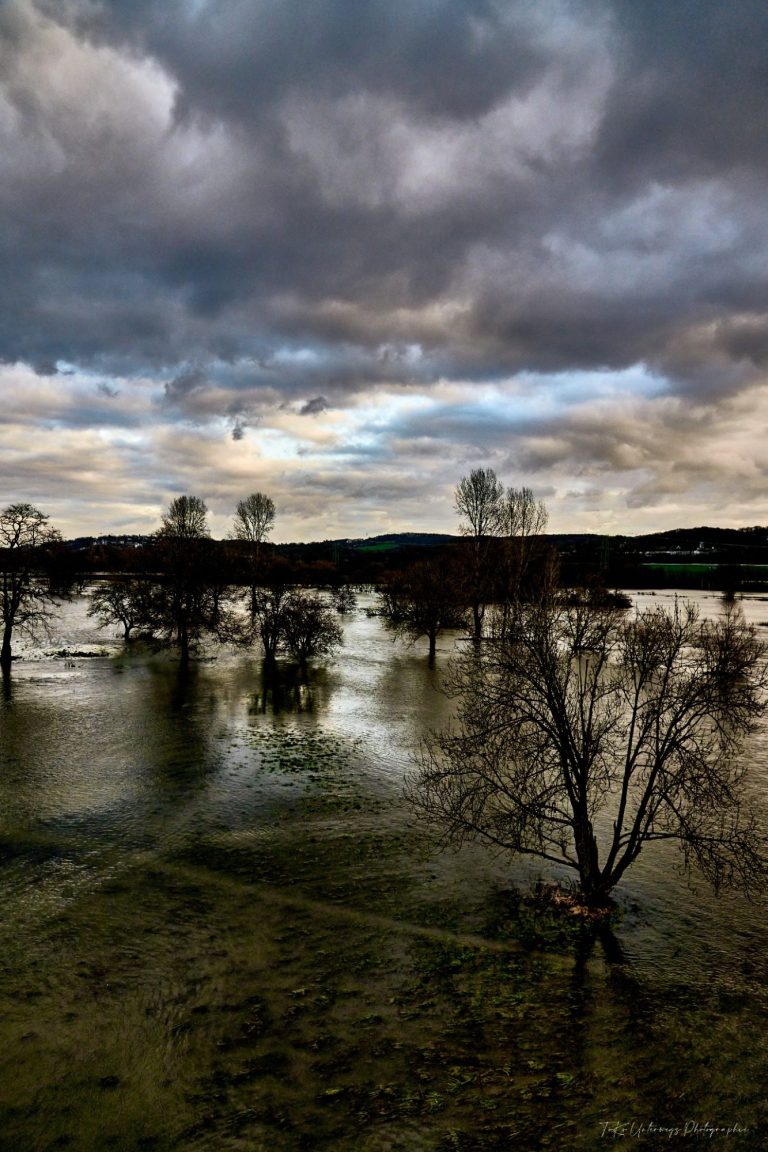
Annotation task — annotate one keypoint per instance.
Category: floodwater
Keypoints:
(219, 930)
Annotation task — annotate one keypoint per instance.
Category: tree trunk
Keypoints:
(184, 642)
(477, 620)
(593, 884)
(5, 651)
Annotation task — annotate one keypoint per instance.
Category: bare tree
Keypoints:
(584, 736)
(344, 599)
(310, 629)
(268, 618)
(254, 518)
(186, 519)
(523, 521)
(188, 597)
(522, 515)
(479, 499)
(24, 587)
(130, 602)
(524, 558)
(423, 600)
(298, 623)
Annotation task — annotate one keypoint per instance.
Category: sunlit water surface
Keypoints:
(219, 929)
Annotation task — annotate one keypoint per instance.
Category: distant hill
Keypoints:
(672, 539)
(390, 540)
(386, 540)
(701, 557)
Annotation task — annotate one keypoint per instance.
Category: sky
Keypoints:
(345, 251)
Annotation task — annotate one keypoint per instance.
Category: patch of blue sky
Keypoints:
(525, 399)
(83, 416)
(378, 410)
(563, 389)
(134, 443)
(440, 420)
(362, 448)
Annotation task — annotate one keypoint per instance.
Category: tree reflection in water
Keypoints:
(288, 688)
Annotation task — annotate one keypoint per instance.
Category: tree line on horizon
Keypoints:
(184, 585)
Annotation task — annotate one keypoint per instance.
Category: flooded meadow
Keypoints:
(221, 929)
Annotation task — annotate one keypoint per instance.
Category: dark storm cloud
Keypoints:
(252, 202)
(236, 58)
(691, 91)
(314, 406)
(137, 237)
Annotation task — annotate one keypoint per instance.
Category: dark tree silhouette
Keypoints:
(268, 607)
(522, 522)
(297, 623)
(583, 736)
(479, 500)
(254, 519)
(188, 601)
(423, 600)
(186, 519)
(131, 602)
(26, 593)
(310, 629)
(344, 599)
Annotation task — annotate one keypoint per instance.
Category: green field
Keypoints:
(382, 546)
(700, 569)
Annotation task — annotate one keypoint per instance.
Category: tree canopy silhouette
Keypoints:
(584, 735)
(188, 599)
(25, 590)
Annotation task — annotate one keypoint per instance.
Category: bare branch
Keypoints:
(583, 736)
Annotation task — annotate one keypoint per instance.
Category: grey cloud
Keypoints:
(357, 485)
(191, 379)
(141, 272)
(452, 57)
(745, 338)
(314, 406)
(612, 439)
(690, 93)
(405, 192)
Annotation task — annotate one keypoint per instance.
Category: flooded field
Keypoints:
(220, 930)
